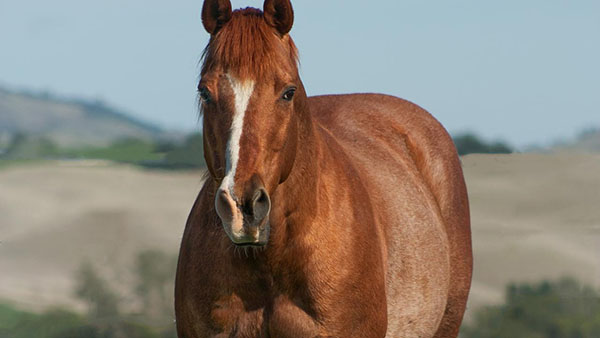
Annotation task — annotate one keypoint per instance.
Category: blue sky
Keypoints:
(524, 71)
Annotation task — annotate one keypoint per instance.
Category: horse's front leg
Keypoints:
(231, 318)
(288, 320)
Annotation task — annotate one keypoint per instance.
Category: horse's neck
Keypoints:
(298, 200)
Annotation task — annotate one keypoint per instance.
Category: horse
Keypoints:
(327, 216)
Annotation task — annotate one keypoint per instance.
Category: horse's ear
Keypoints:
(215, 14)
(279, 14)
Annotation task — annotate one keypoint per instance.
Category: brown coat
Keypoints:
(367, 230)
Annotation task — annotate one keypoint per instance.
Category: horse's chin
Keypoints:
(256, 238)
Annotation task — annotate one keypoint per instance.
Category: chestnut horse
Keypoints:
(329, 216)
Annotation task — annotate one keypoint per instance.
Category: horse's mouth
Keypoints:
(250, 236)
(246, 245)
(257, 240)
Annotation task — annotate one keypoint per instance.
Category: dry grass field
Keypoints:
(53, 216)
(533, 217)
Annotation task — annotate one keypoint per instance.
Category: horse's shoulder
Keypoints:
(384, 116)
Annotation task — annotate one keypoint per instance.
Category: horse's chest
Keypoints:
(232, 316)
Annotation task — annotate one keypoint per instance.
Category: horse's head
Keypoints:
(251, 93)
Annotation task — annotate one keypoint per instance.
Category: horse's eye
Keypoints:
(204, 94)
(289, 94)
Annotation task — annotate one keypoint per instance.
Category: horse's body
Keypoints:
(369, 232)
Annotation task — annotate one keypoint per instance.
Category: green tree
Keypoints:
(24, 146)
(54, 323)
(189, 155)
(128, 150)
(471, 144)
(102, 302)
(155, 271)
(558, 309)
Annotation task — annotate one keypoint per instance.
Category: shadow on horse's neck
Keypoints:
(296, 202)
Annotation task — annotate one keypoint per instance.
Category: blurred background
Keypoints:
(101, 149)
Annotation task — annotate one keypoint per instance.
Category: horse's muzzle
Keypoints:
(246, 223)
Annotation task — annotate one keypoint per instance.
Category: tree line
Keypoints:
(549, 309)
(185, 154)
(160, 154)
(563, 308)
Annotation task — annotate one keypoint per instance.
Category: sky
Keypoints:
(523, 71)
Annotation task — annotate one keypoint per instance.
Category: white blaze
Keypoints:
(242, 91)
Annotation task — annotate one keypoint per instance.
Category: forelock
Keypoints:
(247, 47)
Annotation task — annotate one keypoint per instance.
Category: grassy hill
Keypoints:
(67, 123)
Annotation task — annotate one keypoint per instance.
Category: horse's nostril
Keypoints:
(261, 204)
(223, 206)
(260, 196)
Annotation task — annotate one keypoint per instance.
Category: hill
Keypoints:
(533, 217)
(67, 122)
(586, 141)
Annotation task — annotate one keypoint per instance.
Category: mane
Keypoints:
(248, 47)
